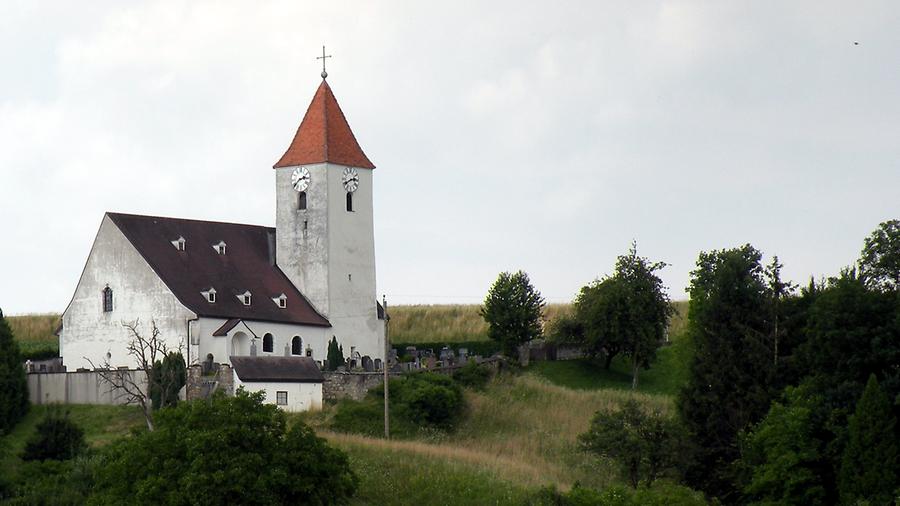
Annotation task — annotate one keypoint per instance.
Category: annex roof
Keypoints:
(277, 369)
(247, 265)
(324, 136)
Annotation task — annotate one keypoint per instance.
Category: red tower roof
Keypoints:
(324, 136)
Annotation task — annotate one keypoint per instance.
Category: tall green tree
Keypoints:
(335, 355)
(732, 368)
(169, 376)
(513, 310)
(879, 262)
(626, 313)
(13, 386)
(870, 467)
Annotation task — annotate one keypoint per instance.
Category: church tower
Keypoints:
(325, 241)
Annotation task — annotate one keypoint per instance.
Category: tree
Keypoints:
(13, 386)
(645, 445)
(626, 313)
(869, 468)
(335, 354)
(729, 384)
(879, 262)
(224, 450)
(147, 352)
(56, 438)
(169, 376)
(782, 456)
(512, 310)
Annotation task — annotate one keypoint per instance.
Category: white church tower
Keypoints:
(325, 242)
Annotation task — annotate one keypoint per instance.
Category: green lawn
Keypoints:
(665, 376)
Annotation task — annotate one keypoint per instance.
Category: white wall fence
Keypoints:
(83, 387)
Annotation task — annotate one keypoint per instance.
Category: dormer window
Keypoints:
(219, 247)
(281, 300)
(179, 243)
(210, 295)
(244, 298)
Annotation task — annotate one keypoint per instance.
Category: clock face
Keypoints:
(300, 179)
(350, 179)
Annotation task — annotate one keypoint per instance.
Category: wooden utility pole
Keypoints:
(384, 366)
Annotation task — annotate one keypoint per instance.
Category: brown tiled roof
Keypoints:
(284, 369)
(324, 136)
(247, 265)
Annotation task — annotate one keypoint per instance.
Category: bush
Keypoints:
(13, 387)
(418, 402)
(224, 450)
(56, 438)
(472, 376)
(53, 483)
(170, 376)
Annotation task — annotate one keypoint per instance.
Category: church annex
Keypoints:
(231, 290)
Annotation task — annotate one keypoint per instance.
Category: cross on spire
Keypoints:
(324, 74)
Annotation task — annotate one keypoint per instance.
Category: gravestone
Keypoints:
(367, 364)
(378, 364)
(446, 354)
(463, 355)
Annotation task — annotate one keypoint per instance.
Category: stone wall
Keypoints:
(350, 385)
(201, 386)
(83, 387)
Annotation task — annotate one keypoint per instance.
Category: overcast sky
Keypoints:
(507, 135)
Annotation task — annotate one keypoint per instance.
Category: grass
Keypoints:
(401, 472)
(101, 425)
(34, 333)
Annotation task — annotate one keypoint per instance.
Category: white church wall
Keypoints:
(138, 294)
(221, 347)
(351, 281)
(300, 396)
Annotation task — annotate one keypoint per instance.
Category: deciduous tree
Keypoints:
(880, 259)
(512, 310)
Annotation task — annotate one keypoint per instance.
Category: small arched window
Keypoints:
(301, 201)
(349, 202)
(268, 343)
(107, 300)
(296, 346)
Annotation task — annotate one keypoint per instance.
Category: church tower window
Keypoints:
(296, 346)
(107, 300)
(268, 343)
(349, 202)
(301, 201)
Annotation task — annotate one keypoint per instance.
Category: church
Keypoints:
(221, 290)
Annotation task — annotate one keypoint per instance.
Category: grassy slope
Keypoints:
(34, 332)
(101, 424)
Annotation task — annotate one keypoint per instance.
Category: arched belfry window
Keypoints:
(301, 201)
(107, 300)
(296, 346)
(268, 343)
(349, 202)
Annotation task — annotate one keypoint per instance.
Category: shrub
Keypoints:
(170, 376)
(13, 387)
(224, 450)
(418, 402)
(472, 376)
(56, 438)
(663, 494)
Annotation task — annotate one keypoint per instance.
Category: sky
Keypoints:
(542, 136)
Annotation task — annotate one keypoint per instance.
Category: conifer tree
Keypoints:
(335, 354)
(869, 468)
(13, 386)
